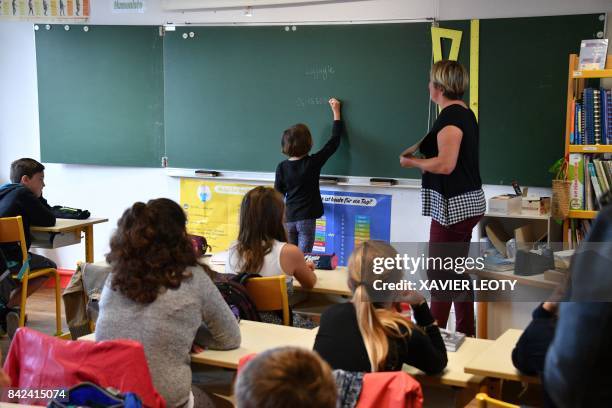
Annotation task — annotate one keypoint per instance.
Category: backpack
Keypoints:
(199, 244)
(235, 295)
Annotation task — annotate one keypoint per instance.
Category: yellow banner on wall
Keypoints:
(213, 210)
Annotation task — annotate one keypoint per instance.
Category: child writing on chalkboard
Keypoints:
(297, 179)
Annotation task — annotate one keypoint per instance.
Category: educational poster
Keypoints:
(213, 210)
(47, 10)
(351, 218)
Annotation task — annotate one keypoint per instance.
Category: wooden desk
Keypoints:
(76, 226)
(334, 282)
(454, 375)
(496, 361)
(256, 337)
(466, 385)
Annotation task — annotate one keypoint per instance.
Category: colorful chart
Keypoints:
(351, 218)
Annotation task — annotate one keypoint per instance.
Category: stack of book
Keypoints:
(452, 340)
(592, 118)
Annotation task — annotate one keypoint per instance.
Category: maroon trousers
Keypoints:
(453, 241)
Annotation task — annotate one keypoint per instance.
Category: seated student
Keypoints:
(262, 246)
(286, 377)
(159, 295)
(577, 368)
(368, 336)
(23, 196)
(530, 351)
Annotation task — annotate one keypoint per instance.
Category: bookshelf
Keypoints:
(575, 86)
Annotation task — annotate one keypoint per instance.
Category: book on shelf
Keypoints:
(593, 54)
(591, 117)
(577, 231)
(607, 116)
(452, 340)
(595, 181)
(575, 175)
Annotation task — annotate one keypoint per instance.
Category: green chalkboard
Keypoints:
(231, 91)
(221, 98)
(100, 95)
(523, 93)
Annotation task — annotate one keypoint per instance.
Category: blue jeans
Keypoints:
(302, 233)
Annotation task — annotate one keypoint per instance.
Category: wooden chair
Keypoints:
(484, 401)
(11, 231)
(270, 294)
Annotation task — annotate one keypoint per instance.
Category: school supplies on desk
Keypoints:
(452, 340)
(70, 213)
(322, 261)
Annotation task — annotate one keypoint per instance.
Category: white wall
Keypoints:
(107, 191)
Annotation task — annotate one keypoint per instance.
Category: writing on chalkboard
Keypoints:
(321, 73)
(302, 101)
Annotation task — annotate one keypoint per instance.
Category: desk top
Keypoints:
(333, 282)
(63, 225)
(537, 281)
(454, 374)
(256, 337)
(496, 361)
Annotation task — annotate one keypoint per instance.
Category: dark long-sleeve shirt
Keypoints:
(339, 342)
(298, 180)
(530, 351)
(17, 199)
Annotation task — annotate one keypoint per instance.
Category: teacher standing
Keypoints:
(451, 187)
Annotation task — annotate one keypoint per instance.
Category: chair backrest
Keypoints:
(36, 360)
(270, 294)
(11, 231)
(484, 401)
(390, 389)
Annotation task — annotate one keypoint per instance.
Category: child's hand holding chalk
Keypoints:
(335, 106)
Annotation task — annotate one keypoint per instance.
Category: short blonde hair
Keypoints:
(286, 377)
(451, 77)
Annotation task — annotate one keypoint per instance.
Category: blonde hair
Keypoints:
(450, 77)
(375, 324)
(286, 377)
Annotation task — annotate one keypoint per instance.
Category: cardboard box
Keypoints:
(505, 204)
(535, 205)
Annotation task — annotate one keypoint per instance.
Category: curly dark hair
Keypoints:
(151, 250)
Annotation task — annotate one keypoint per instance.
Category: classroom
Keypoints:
(431, 183)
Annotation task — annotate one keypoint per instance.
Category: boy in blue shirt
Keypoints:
(23, 196)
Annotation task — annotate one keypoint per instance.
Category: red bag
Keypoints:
(36, 360)
(390, 389)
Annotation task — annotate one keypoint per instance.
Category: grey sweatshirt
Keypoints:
(166, 328)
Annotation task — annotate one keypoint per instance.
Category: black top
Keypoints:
(466, 176)
(17, 199)
(529, 353)
(339, 342)
(298, 180)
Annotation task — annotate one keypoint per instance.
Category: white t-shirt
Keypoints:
(271, 264)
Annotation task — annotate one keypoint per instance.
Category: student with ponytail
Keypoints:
(369, 336)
